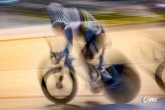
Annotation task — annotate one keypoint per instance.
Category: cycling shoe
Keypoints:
(105, 76)
(112, 83)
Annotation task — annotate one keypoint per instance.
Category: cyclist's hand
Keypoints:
(59, 57)
(51, 54)
(54, 57)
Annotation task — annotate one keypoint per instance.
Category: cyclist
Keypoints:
(69, 19)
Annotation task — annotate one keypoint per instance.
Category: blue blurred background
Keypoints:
(109, 12)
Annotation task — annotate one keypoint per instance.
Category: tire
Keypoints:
(130, 84)
(58, 98)
(159, 76)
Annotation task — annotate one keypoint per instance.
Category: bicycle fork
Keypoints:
(67, 64)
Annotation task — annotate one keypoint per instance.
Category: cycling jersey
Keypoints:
(74, 18)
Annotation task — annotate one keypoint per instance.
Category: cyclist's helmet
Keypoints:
(56, 13)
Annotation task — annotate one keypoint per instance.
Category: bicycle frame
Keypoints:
(67, 61)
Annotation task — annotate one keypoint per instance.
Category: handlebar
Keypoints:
(53, 54)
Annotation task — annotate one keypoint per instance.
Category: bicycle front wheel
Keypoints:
(57, 90)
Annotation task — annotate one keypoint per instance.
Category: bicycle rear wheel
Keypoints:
(129, 84)
(160, 76)
(59, 92)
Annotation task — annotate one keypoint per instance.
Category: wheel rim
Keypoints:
(52, 80)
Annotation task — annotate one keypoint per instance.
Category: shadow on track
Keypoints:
(62, 107)
(112, 107)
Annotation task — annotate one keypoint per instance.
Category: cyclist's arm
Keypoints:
(69, 39)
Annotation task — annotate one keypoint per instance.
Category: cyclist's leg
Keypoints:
(100, 45)
(86, 52)
(87, 55)
(94, 45)
(105, 76)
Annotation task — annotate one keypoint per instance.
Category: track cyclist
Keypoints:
(69, 19)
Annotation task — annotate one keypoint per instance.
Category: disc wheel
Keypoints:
(160, 76)
(129, 84)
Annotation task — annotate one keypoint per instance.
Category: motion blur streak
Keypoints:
(135, 27)
(8, 1)
(26, 54)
